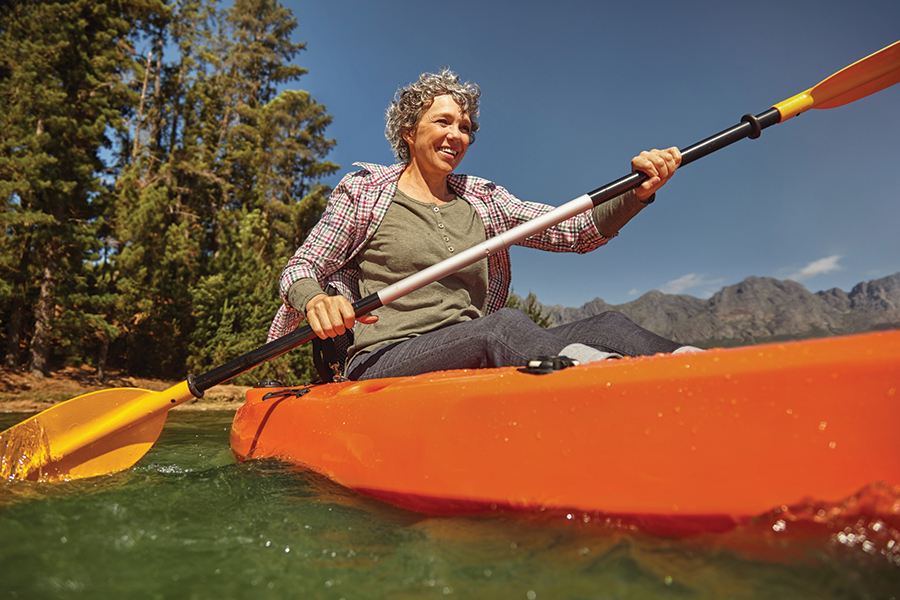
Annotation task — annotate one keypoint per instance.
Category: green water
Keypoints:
(189, 522)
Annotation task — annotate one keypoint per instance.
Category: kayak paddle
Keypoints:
(110, 430)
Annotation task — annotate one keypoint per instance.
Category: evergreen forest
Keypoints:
(158, 164)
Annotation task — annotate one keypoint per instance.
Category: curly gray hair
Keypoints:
(411, 102)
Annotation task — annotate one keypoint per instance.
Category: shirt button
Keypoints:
(446, 239)
(440, 225)
(450, 248)
(437, 209)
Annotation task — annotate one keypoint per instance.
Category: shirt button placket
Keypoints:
(440, 225)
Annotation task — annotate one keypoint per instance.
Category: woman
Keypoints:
(385, 223)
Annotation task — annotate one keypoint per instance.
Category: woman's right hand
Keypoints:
(658, 166)
(331, 316)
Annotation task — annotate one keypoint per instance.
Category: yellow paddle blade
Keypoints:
(94, 434)
(863, 78)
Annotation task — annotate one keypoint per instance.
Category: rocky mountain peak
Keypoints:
(756, 310)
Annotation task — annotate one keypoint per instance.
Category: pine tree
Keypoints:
(273, 158)
(168, 189)
(531, 307)
(216, 193)
(62, 86)
(161, 247)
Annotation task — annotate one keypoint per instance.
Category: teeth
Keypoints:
(449, 151)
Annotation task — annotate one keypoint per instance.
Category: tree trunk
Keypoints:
(136, 148)
(43, 314)
(14, 334)
(101, 361)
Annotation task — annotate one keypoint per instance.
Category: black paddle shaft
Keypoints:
(750, 126)
(198, 385)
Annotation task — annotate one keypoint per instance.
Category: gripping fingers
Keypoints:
(329, 316)
(659, 166)
(321, 324)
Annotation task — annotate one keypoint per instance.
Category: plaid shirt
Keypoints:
(357, 206)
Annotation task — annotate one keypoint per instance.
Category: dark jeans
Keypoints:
(506, 338)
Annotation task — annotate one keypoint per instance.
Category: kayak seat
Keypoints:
(330, 356)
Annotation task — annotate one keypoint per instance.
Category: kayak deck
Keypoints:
(732, 432)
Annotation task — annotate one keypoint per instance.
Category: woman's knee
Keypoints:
(505, 324)
(509, 317)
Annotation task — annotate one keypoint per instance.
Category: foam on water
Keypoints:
(24, 449)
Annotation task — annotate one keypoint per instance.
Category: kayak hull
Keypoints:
(733, 432)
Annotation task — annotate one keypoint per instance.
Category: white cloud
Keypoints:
(708, 287)
(818, 267)
(689, 281)
(634, 292)
(685, 282)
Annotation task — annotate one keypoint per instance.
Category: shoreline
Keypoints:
(21, 392)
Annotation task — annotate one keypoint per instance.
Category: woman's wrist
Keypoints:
(302, 291)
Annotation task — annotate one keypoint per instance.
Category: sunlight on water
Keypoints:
(23, 450)
(188, 521)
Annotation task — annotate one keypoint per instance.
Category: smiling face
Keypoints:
(440, 139)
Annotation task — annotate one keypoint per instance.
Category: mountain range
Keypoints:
(756, 310)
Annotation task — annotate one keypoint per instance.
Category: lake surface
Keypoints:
(188, 521)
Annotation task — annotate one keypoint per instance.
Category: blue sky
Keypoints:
(573, 89)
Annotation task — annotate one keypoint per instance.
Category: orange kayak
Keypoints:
(733, 432)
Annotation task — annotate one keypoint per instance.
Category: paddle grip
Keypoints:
(750, 126)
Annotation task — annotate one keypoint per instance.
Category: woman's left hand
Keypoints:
(659, 166)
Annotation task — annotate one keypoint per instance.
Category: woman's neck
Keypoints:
(414, 184)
